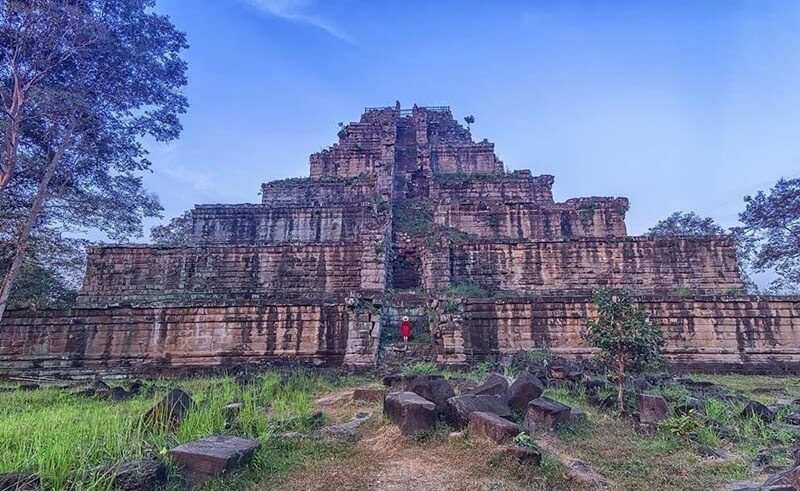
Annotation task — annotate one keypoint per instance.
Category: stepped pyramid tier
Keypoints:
(405, 210)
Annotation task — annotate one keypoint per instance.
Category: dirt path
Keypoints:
(384, 460)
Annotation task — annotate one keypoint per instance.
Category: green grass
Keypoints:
(65, 438)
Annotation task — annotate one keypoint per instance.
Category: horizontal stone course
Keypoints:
(746, 333)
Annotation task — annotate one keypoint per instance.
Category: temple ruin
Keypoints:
(405, 215)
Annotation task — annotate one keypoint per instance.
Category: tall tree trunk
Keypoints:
(24, 233)
(14, 113)
(621, 383)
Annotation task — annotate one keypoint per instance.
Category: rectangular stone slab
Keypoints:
(210, 457)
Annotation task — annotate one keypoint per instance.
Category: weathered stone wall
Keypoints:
(518, 187)
(742, 334)
(152, 340)
(364, 147)
(573, 219)
(427, 138)
(175, 275)
(319, 192)
(259, 224)
(643, 265)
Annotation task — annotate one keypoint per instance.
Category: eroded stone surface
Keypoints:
(459, 408)
(491, 427)
(652, 409)
(203, 459)
(410, 412)
(545, 414)
(525, 388)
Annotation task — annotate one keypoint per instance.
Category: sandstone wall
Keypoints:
(644, 265)
(519, 187)
(259, 224)
(318, 192)
(364, 148)
(573, 219)
(143, 274)
(743, 334)
(165, 340)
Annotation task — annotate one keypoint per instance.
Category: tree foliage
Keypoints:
(178, 231)
(686, 224)
(82, 82)
(469, 120)
(627, 341)
(771, 228)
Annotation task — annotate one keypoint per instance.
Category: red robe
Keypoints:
(405, 329)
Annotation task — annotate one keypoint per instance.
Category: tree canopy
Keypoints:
(82, 83)
(627, 341)
(771, 222)
(686, 224)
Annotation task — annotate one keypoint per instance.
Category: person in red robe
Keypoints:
(405, 328)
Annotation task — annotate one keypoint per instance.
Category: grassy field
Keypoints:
(67, 439)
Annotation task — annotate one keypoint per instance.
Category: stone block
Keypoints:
(459, 408)
(494, 385)
(545, 414)
(524, 389)
(171, 410)
(491, 427)
(652, 409)
(211, 457)
(434, 389)
(410, 412)
(138, 475)
(755, 408)
(368, 394)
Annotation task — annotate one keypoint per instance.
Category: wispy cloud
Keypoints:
(299, 11)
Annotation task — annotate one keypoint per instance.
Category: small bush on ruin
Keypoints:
(628, 342)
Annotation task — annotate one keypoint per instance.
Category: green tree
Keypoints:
(771, 228)
(98, 76)
(469, 120)
(627, 341)
(686, 224)
(177, 231)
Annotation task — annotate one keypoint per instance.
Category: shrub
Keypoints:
(628, 342)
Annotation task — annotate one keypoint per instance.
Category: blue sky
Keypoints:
(678, 105)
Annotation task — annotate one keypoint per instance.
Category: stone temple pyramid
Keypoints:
(405, 215)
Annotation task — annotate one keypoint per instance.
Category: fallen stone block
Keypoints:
(524, 389)
(545, 414)
(169, 412)
(494, 385)
(211, 457)
(437, 390)
(348, 429)
(412, 413)
(652, 409)
(523, 455)
(138, 475)
(491, 427)
(368, 394)
(459, 408)
(755, 408)
(20, 481)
